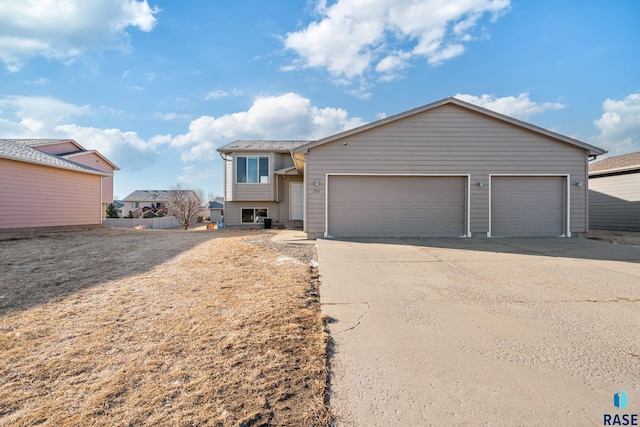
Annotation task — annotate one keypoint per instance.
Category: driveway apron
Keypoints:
(480, 331)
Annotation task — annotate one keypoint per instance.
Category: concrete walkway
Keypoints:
(480, 331)
(292, 237)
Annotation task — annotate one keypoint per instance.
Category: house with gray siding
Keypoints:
(614, 193)
(446, 169)
(261, 182)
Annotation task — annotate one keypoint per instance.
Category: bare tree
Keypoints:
(184, 204)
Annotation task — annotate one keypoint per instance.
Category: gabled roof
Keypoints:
(148, 196)
(623, 163)
(97, 153)
(41, 142)
(593, 150)
(15, 149)
(215, 205)
(272, 146)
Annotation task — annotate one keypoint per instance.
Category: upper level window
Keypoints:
(252, 170)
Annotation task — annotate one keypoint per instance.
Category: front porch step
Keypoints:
(293, 225)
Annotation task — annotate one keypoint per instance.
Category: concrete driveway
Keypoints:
(481, 331)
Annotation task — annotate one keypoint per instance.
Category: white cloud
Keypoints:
(520, 107)
(620, 125)
(44, 110)
(353, 36)
(64, 29)
(41, 117)
(125, 149)
(217, 94)
(289, 116)
(40, 82)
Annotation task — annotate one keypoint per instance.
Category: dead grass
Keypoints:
(127, 328)
(631, 238)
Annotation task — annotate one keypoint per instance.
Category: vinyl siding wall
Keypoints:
(94, 161)
(228, 179)
(58, 148)
(283, 160)
(253, 192)
(40, 196)
(447, 140)
(614, 202)
(278, 210)
(233, 212)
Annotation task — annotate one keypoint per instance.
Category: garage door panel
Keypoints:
(527, 206)
(396, 206)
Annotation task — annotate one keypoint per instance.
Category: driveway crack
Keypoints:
(358, 320)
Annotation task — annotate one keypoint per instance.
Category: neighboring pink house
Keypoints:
(52, 183)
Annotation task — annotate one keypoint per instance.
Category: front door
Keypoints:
(296, 201)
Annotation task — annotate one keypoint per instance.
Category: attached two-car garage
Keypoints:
(389, 206)
(437, 206)
(446, 169)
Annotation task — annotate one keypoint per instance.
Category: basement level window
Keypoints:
(252, 170)
(254, 214)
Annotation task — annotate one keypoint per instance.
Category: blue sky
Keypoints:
(157, 86)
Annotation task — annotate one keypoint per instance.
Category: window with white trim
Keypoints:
(254, 215)
(252, 170)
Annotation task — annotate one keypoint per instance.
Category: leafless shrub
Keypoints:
(184, 204)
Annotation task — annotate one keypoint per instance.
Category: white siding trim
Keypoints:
(567, 177)
(467, 232)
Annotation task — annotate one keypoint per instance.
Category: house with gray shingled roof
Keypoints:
(142, 200)
(53, 183)
(614, 193)
(445, 169)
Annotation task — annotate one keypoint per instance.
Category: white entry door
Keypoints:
(296, 201)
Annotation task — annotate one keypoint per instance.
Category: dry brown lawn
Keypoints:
(158, 327)
(620, 237)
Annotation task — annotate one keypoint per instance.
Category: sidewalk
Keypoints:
(293, 237)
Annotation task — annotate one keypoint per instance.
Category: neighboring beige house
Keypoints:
(52, 183)
(140, 199)
(614, 193)
(448, 168)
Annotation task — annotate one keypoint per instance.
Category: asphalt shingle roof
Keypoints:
(37, 142)
(215, 205)
(261, 145)
(147, 196)
(23, 150)
(616, 163)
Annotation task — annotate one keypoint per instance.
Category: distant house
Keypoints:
(449, 168)
(137, 201)
(216, 210)
(614, 193)
(52, 183)
(142, 200)
(119, 206)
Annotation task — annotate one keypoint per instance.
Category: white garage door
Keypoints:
(388, 206)
(528, 206)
